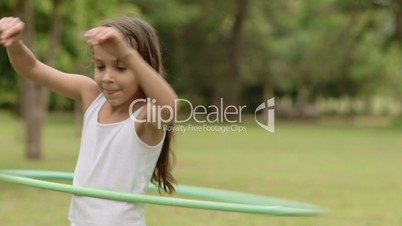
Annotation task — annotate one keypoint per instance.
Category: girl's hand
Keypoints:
(11, 29)
(110, 39)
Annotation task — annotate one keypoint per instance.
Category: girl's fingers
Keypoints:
(108, 38)
(10, 29)
(92, 36)
(7, 22)
(4, 21)
(10, 26)
(100, 34)
(104, 35)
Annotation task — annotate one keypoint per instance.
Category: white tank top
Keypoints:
(111, 157)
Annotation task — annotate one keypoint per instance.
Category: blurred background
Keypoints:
(315, 57)
(333, 66)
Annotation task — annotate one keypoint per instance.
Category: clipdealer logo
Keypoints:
(211, 118)
(269, 105)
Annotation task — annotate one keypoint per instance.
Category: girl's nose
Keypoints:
(107, 76)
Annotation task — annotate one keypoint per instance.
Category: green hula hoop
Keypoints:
(225, 200)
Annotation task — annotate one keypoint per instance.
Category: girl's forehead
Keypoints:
(100, 54)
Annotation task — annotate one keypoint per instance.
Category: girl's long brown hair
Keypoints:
(144, 39)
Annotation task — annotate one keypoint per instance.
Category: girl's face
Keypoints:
(118, 84)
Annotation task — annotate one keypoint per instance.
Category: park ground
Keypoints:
(351, 167)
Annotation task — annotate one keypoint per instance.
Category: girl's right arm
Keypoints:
(24, 62)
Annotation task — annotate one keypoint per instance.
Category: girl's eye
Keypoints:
(120, 68)
(99, 67)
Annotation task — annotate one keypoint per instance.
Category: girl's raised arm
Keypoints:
(24, 62)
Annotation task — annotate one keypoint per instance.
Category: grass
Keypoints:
(353, 169)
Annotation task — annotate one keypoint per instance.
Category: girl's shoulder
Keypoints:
(89, 96)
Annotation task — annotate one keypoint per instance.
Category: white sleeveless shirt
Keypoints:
(111, 157)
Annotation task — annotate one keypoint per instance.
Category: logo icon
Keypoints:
(270, 114)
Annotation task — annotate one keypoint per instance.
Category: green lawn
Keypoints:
(352, 169)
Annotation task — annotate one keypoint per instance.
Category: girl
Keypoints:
(116, 153)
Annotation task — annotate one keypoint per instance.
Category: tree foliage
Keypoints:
(304, 50)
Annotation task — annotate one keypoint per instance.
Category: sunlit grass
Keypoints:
(353, 169)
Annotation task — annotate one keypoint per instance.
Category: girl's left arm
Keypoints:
(153, 85)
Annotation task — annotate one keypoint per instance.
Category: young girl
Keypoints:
(116, 152)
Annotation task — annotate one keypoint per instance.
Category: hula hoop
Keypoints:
(225, 200)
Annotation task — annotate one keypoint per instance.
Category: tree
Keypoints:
(235, 52)
(34, 98)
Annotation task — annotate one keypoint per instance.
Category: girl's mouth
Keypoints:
(109, 91)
